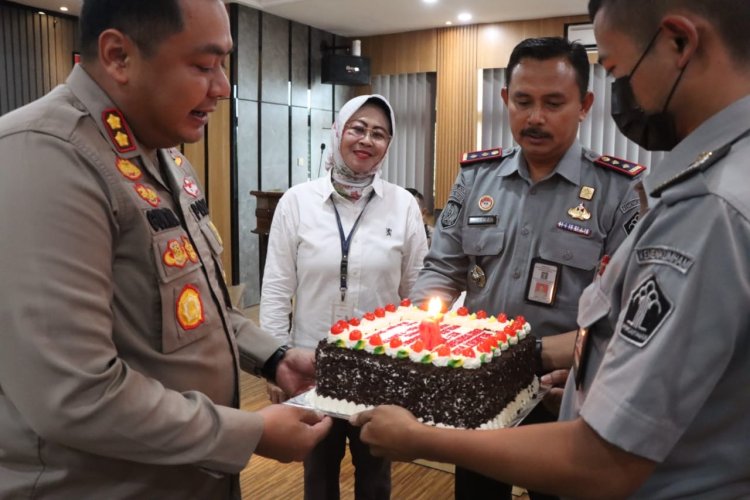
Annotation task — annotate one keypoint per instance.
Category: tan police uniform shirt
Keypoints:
(119, 348)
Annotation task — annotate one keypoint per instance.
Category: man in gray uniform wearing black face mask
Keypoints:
(656, 406)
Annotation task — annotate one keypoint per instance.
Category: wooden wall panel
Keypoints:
(196, 154)
(456, 104)
(413, 52)
(219, 178)
(496, 40)
(456, 54)
(36, 53)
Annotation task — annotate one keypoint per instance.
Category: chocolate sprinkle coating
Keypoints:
(458, 397)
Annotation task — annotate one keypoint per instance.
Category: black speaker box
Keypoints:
(345, 70)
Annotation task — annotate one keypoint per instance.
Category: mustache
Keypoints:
(536, 133)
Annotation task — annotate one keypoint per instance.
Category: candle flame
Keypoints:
(435, 306)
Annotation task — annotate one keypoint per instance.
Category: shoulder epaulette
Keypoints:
(483, 155)
(118, 130)
(624, 167)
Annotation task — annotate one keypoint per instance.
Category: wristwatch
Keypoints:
(269, 367)
(538, 355)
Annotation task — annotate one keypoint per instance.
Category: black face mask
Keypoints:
(652, 131)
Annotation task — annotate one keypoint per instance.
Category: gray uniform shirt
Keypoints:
(527, 221)
(666, 374)
(119, 349)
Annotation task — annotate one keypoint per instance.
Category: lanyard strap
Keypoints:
(345, 241)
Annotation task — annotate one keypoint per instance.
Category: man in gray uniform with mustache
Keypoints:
(523, 230)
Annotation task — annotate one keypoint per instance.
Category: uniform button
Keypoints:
(516, 275)
(532, 191)
(525, 231)
(567, 255)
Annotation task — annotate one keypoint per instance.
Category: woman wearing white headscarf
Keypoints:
(377, 225)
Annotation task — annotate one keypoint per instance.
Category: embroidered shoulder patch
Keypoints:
(647, 309)
(483, 155)
(630, 224)
(666, 256)
(450, 214)
(624, 167)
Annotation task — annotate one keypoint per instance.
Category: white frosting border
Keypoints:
(512, 415)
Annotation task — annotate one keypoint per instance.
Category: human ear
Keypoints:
(683, 35)
(115, 54)
(586, 103)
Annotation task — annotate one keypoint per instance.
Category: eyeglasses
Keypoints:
(359, 132)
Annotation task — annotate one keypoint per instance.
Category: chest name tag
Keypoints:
(482, 220)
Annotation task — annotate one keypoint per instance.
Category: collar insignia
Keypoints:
(191, 187)
(176, 156)
(128, 169)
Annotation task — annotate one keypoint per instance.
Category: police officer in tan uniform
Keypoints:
(119, 349)
(657, 407)
(524, 230)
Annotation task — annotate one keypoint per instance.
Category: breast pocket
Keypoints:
(186, 302)
(578, 258)
(482, 240)
(571, 250)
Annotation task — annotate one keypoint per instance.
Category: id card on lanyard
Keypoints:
(346, 244)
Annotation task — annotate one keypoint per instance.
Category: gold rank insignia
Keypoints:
(486, 203)
(148, 194)
(176, 156)
(579, 212)
(175, 255)
(625, 167)
(586, 193)
(128, 169)
(118, 130)
(190, 313)
(477, 156)
(190, 249)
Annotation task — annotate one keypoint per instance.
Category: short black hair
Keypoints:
(552, 47)
(415, 193)
(640, 19)
(146, 22)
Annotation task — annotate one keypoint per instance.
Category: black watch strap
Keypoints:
(269, 367)
(538, 355)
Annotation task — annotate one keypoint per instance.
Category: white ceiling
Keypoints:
(374, 17)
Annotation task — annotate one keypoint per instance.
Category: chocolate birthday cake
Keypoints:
(455, 370)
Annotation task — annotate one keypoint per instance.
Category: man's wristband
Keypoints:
(269, 367)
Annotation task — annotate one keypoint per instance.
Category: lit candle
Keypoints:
(429, 328)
